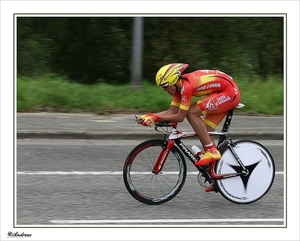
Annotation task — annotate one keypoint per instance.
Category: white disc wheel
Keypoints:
(253, 186)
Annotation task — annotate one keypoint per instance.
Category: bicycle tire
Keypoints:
(246, 189)
(143, 184)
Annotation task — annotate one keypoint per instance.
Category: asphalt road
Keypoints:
(123, 126)
(79, 183)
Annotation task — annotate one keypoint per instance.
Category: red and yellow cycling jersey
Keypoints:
(207, 83)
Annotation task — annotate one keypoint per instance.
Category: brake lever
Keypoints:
(138, 120)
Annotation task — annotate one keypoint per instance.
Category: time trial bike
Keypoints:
(155, 170)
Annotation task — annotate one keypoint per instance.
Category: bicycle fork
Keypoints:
(163, 156)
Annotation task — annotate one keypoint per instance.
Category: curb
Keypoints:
(132, 136)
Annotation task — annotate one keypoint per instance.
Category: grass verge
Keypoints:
(59, 94)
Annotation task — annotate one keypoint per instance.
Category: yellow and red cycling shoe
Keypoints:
(208, 157)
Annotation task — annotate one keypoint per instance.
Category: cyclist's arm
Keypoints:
(173, 114)
(178, 108)
(172, 110)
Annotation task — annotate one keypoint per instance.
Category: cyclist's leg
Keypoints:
(193, 116)
(214, 108)
(200, 127)
(212, 120)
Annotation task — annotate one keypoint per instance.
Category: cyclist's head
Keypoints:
(170, 74)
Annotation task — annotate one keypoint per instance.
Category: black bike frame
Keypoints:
(222, 143)
(207, 171)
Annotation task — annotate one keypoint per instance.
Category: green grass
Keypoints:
(59, 94)
(263, 97)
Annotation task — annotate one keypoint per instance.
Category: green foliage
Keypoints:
(265, 97)
(260, 97)
(92, 49)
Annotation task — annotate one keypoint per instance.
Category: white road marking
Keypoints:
(167, 221)
(69, 173)
(142, 221)
(100, 173)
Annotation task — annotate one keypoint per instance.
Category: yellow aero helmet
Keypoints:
(170, 73)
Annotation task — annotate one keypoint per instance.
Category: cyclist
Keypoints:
(219, 94)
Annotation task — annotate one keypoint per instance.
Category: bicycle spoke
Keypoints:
(146, 186)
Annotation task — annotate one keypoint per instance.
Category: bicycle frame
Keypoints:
(224, 141)
(169, 170)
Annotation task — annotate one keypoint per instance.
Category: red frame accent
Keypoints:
(215, 175)
(162, 157)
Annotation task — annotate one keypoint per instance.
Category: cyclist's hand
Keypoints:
(149, 120)
(140, 119)
(143, 116)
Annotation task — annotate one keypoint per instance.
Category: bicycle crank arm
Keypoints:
(229, 175)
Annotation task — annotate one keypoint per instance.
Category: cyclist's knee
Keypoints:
(194, 111)
(191, 115)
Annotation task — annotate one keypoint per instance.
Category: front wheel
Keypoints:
(147, 186)
(246, 188)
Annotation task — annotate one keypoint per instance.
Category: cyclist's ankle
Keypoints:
(211, 147)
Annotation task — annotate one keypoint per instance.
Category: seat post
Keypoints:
(227, 122)
(226, 126)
